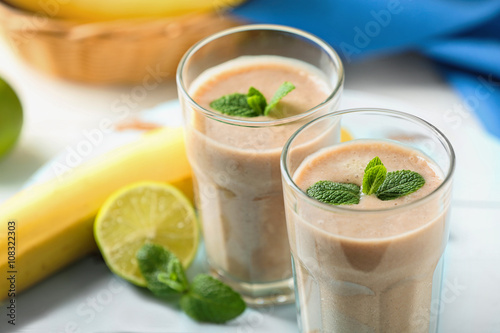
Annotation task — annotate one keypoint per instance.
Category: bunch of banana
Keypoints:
(53, 220)
(98, 10)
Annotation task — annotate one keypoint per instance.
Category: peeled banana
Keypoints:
(53, 220)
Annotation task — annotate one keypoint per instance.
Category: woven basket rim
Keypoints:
(13, 18)
(87, 51)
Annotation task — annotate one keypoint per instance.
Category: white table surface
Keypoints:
(57, 113)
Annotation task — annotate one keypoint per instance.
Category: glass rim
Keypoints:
(389, 112)
(265, 27)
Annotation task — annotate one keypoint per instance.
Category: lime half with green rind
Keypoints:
(142, 213)
(11, 117)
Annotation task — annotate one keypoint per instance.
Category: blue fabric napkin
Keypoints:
(462, 36)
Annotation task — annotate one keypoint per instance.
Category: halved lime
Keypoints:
(11, 117)
(146, 212)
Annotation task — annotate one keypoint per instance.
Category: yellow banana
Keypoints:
(53, 220)
(98, 10)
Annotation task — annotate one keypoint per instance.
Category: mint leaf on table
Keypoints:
(174, 277)
(375, 173)
(234, 105)
(212, 301)
(158, 265)
(282, 91)
(252, 104)
(399, 183)
(334, 193)
(206, 299)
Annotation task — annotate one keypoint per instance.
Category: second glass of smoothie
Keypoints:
(235, 160)
(374, 265)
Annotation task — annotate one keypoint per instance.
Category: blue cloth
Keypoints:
(462, 36)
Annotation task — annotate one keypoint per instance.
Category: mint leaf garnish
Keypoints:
(206, 299)
(399, 183)
(334, 193)
(373, 178)
(234, 105)
(374, 162)
(375, 173)
(158, 265)
(282, 91)
(212, 301)
(256, 100)
(386, 186)
(252, 104)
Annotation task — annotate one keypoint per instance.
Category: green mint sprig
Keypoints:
(210, 300)
(375, 173)
(205, 299)
(162, 271)
(282, 91)
(256, 101)
(376, 180)
(251, 104)
(234, 105)
(400, 183)
(334, 193)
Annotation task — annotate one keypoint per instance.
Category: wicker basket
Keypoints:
(122, 51)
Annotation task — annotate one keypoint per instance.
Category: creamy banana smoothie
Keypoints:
(235, 161)
(238, 182)
(367, 264)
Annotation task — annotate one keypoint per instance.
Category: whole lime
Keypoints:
(11, 117)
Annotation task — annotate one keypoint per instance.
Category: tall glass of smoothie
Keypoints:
(235, 159)
(368, 262)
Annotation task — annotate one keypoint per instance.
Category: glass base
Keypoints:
(259, 294)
